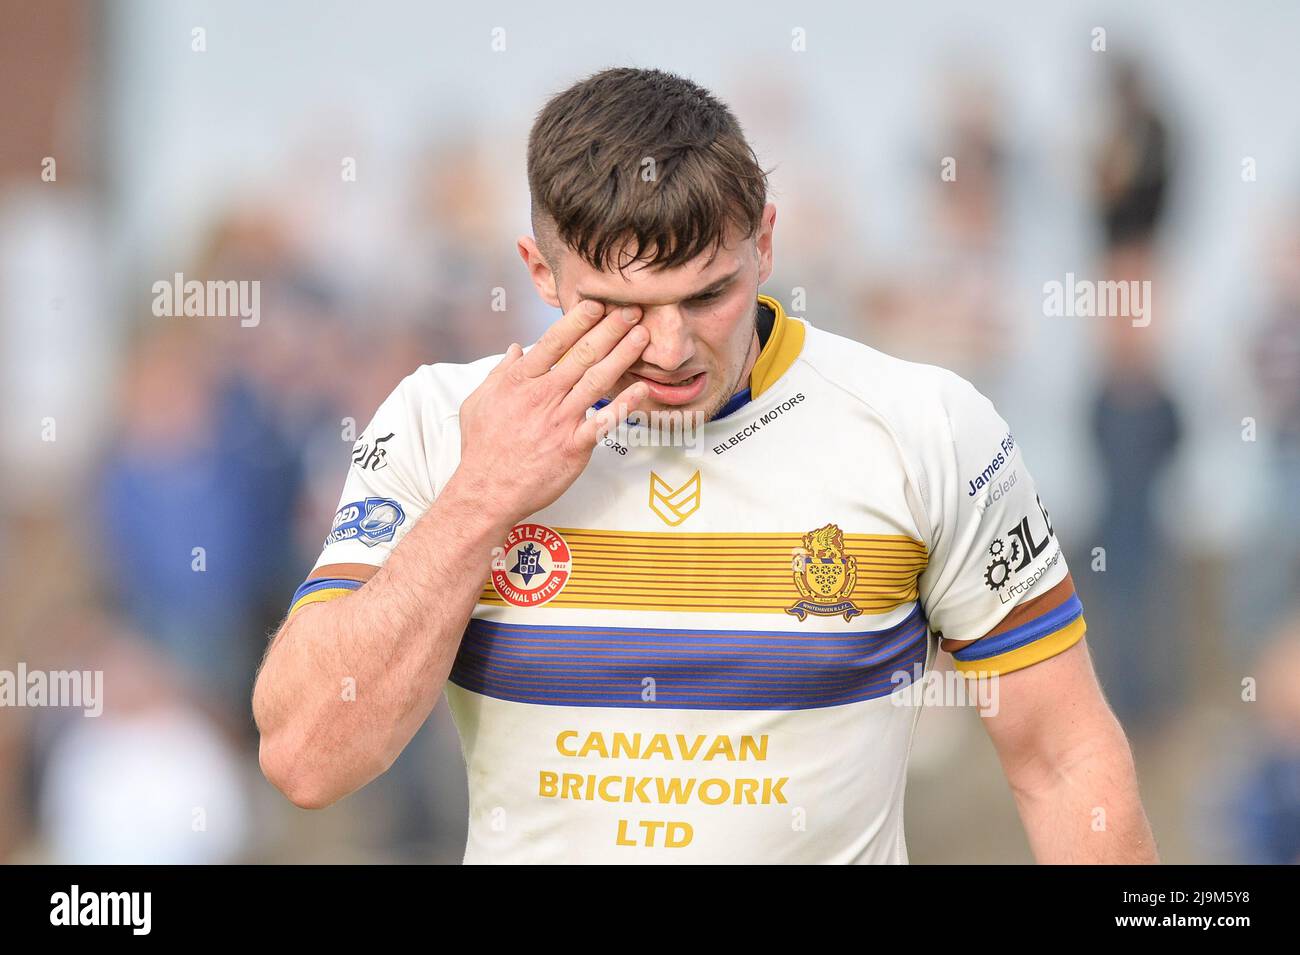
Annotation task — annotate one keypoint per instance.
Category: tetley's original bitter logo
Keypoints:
(533, 566)
(824, 575)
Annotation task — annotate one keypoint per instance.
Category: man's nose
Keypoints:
(671, 345)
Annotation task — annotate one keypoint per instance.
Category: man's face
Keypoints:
(700, 316)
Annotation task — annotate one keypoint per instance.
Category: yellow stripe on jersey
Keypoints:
(722, 572)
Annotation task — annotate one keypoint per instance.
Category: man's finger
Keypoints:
(597, 380)
(560, 337)
(594, 346)
(511, 356)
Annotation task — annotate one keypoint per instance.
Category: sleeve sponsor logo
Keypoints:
(372, 521)
(1016, 550)
(995, 493)
(1006, 449)
(370, 455)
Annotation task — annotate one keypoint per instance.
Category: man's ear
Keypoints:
(539, 271)
(763, 242)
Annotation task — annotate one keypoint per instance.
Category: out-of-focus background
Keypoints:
(168, 480)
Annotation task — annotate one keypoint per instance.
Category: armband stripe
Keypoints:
(1041, 649)
(320, 589)
(1024, 634)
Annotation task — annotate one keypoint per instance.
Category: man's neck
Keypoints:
(755, 346)
(762, 329)
(741, 384)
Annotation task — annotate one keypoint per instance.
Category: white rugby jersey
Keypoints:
(699, 657)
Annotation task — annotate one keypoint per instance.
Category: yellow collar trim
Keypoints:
(780, 350)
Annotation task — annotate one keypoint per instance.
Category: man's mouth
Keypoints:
(675, 390)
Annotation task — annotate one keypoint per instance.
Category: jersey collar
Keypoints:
(783, 345)
(779, 352)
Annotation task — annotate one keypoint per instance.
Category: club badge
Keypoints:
(824, 575)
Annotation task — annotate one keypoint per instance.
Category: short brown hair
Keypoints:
(587, 156)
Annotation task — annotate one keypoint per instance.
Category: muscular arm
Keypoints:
(396, 638)
(397, 635)
(1069, 764)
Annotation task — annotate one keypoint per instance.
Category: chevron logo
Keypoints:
(674, 505)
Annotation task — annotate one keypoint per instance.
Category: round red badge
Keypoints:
(534, 567)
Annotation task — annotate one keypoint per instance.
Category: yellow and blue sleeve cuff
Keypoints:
(319, 589)
(1030, 643)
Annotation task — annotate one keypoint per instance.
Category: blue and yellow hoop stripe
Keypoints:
(672, 668)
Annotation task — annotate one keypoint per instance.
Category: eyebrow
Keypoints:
(715, 286)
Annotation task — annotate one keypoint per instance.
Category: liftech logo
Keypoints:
(1017, 549)
(533, 567)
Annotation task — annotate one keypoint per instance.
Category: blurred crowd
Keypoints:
(165, 555)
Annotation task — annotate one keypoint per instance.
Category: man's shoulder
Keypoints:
(436, 391)
(914, 399)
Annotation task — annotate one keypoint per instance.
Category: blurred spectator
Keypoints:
(1135, 423)
(154, 777)
(1137, 429)
(1275, 350)
(1265, 806)
(197, 486)
(1134, 164)
(948, 305)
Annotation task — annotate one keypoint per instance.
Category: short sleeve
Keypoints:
(996, 575)
(387, 489)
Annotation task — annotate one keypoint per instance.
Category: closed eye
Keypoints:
(706, 298)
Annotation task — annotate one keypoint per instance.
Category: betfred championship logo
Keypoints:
(533, 567)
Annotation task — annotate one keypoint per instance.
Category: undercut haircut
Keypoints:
(633, 165)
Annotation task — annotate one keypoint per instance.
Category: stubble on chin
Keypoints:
(719, 401)
(716, 404)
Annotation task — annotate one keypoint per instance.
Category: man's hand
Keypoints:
(525, 438)
(525, 434)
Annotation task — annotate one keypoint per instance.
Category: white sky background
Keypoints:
(189, 130)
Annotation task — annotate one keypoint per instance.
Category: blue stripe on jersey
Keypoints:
(1024, 634)
(691, 669)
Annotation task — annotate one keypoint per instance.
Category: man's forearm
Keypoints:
(1087, 808)
(391, 643)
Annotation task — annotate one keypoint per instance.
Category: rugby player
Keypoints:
(656, 652)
